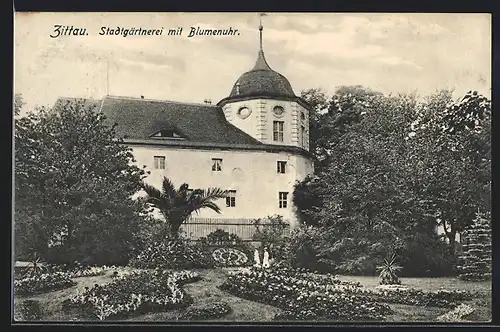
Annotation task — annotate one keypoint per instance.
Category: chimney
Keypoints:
(238, 88)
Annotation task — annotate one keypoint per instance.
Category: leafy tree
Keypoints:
(74, 184)
(176, 205)
(18, 103)
(453, 159)
(331, 117)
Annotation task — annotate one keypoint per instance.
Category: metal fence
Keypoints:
(195, 228)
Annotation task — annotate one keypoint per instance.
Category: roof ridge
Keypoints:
(162, 101)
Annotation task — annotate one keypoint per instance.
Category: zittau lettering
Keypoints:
(67, 30)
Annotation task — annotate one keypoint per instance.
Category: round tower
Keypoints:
(263, 104)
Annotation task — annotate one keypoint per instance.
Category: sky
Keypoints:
(390, 53)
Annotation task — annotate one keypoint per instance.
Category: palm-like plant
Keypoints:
(34, 268)
(388, 271)
(177, 205)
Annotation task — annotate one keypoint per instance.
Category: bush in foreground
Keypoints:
(173, 254)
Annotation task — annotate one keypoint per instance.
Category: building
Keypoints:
(254, 143)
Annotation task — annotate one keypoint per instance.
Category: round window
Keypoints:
(278, 110)
(244, 112)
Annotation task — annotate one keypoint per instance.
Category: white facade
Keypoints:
(259, 122)
(252, 174)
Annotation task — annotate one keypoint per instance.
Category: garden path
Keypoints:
(205, 292)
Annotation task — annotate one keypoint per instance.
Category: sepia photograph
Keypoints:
(251, 167)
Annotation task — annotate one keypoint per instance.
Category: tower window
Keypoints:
(281, 167)
(278, 130)
(302, 116)
(244, 112)
(283, 199)
(278, 110)
(231, 198)
(159, 162)
(216, 165)
(303, 135)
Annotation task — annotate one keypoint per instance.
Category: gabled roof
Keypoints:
(200, 126)
(140, 118)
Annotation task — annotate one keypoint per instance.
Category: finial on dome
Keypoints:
(261, 28)
(261, 60)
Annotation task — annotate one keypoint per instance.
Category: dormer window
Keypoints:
(166, 133)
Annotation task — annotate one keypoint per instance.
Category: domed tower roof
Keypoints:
(261, 81)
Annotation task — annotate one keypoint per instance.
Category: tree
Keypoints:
(177, 205)
(74, 184)
(332, 117)
(366, 197)
(18, 103)
(392, 171)
(453, 155)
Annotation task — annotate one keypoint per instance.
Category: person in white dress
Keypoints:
(256, 258)
(265, 260)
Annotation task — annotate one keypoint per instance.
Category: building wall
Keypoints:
(260, 122)
(253, 174)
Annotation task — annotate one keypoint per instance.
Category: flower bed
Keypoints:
(42, 283)
(135, 293)
(28, 310)
(457, 314)
(303, 298)
(229, 257)
(304, 295)
(410, 296)
(213, 310)
(79, 271)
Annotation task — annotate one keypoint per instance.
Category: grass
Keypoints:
(205, 292)
(408, 313)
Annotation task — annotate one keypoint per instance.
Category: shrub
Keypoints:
(272, 233)
(42, 283)
(137, 292)
(173, 254)
(301, 249)
(221, 237)
(210, 311)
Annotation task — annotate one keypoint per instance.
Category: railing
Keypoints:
(201, 227)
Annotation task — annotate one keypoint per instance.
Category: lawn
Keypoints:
(205, 291)
(406, 313)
